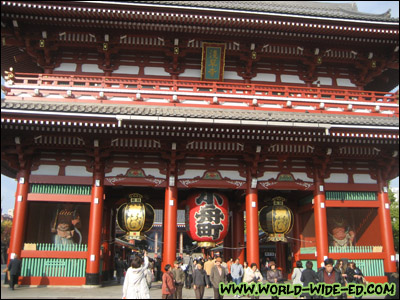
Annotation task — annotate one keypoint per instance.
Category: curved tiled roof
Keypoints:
(302, 8)
(189, 114)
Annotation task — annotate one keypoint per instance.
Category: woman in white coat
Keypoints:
(296, 275)
(135, 284)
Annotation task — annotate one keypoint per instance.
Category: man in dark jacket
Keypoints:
(179, 277)
(308, 276)
(328, 274)
(120, 268)
(15, 270)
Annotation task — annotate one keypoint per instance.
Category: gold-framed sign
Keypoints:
(213, 61)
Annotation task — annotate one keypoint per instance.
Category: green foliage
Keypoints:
(6, 231)
(394, 215)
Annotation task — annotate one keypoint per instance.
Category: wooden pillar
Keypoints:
(228, 240)
(95, 226)
(296, 236)
(106, 244)
(385, 223)
(181, 243)
(281, 256)
(20, 212)
(253, 248)
(170, 221)
(156, 244)
(321, 227)
(238, 235)
(113, 236)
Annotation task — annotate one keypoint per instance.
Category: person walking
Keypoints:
(253, 275)
(245, 268)
(297, 271)
(341, 266)
(135, 284)
(394, 278)
(14, 267)
(328, 274)
(189, 272)
(208, 265)
(308, 276)
(168, 285)
(228, 267)
(120, 269)
(237, 271)
(179, 277)
(200, 281)
(354, 275)
(274, 276)
(217, 275)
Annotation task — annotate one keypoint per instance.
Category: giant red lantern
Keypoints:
(207, 218)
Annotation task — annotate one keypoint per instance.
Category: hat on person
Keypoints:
(218, 259)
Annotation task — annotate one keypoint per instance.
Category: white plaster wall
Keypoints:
(93, 68)
(291, 79)
(190, 174)
(68, 67)
(268, 175)
(117, 171)
(232, 75)
(191, 73)
(132, 70)
(363, 178)
(234, 175)
(77, 171)
(153, 172)
(344, 82)
(337, 178)
(301, 176)
(46, 170)
(325, 80)
(156, 71)
(265, 77)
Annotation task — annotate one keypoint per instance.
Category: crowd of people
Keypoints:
(197, 274)
(201, 273)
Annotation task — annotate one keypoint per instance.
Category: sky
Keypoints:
(8, 186)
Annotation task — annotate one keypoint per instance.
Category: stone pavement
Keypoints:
(109, 290)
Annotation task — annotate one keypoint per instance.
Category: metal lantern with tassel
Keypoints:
(276, 220)
(135, 217)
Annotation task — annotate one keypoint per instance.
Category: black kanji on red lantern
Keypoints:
(208, 219)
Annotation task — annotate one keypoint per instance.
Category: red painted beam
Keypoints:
(359, 204)
(53, 254)
(59, 197)
(70, 281)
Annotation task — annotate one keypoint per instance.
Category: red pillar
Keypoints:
(253, 248)
(170, 227)
(20, 212)
(385, 223)
(238, 235)
(321, 227)
(95, 226)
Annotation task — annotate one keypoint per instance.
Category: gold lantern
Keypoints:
(135, 217)
(276, 220)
